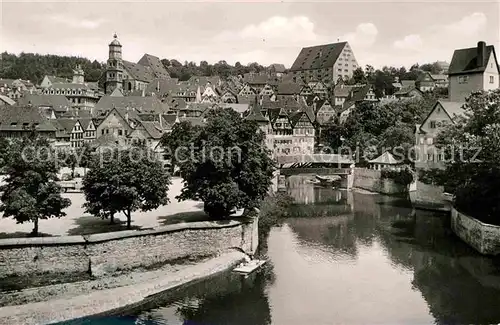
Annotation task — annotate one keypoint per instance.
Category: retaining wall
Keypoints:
(102, 254)
(428, 196)
(483, 237)
(371, 180)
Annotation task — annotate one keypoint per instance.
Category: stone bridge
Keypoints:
(317, 164)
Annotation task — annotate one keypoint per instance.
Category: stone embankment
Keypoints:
(483, 237)
(65, 305)
(118, 269)
(104, 254)
(371, 180)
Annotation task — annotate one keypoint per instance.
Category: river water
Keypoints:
(345, 258)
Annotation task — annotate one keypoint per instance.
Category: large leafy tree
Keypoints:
(125, 181)
(31, 191)
(231, 168)
(472, 159)
(4, 152)
(177, 144)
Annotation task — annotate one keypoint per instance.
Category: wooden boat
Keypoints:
(249, 267)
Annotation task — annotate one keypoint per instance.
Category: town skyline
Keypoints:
(250, 32)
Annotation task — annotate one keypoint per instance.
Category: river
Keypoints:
(344, 258)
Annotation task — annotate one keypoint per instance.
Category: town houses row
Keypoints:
(140, 101)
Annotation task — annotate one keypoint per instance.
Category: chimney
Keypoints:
(126, 116)
(481, 54)
(161, 121)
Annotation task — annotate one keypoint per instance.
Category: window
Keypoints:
(120, 132)
(432, 124)
(492, 79)
(422, 140)
(429, 141)
(463, 79)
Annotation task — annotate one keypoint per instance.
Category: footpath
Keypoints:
(79, 300)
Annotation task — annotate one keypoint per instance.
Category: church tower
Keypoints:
(114, 68)
(78, 75)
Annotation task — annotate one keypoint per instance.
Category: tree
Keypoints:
(114, 184)
(4, 152)
(31, 191)
(359, 76)
(177, 144)
(333, 135)
(472, 159)
(231, 168)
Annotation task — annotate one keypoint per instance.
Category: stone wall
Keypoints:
(428, 196)
(101, 254)
(483, 237)
(371, 180)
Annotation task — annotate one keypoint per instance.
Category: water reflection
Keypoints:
(225, 299)
(348, 258)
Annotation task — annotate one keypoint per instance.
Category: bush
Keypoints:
(404, 176)
(273, 210)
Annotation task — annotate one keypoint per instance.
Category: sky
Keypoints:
(380, 32)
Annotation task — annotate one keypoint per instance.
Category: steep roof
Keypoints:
(256, 79)
(289, 88)
(203, 80)
(408, 83)
(142, 104)
(386, 158)
(278, 67)
(318, 57)
(152, 128)
(67, 124)
(154, 63)
(406, 90)
(7, 100)
(255, 114)
(439, 77)
(57, 102)
(17, 118)
(54, 79)
(138, 71)
(239, 108)
(466, 60)
(453, 108)
(246, 99)
(342, 91)
(359, 93)
(85, 122)
(162, 87)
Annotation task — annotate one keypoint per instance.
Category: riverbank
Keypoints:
(87, 298)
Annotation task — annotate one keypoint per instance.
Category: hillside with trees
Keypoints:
(30, 66)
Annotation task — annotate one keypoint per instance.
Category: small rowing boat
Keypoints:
(249, 267)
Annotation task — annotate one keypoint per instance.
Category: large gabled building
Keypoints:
(326, 63)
